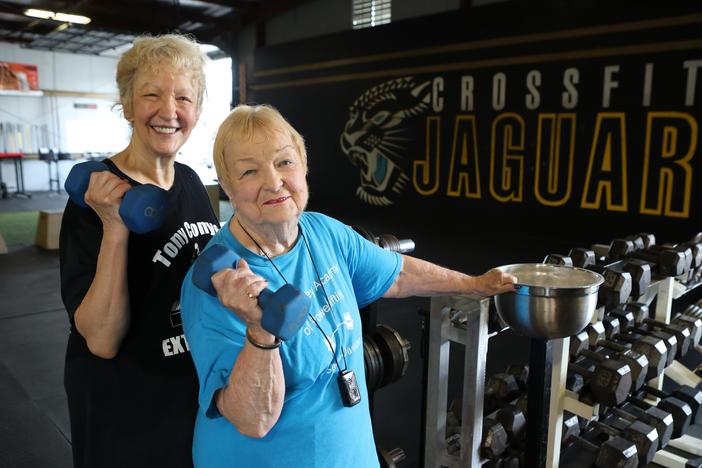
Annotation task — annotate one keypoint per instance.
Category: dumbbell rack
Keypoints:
(473, 334)
(664, 291)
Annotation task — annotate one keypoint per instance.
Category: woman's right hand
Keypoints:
(104, 195)
(238, 290)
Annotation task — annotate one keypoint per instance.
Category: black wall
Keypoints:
(536, 147)
(502, 133)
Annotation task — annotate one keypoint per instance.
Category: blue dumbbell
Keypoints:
(142, 209)
(284, 311)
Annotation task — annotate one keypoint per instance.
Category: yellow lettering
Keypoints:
(555, 140)
(425, 176)
(671, 140)
(606, 171)
(464, 172)
(507, 158)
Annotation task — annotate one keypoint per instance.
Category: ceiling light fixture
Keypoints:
(61, 17)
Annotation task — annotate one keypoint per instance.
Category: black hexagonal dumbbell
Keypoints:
(686, 393)
(570, 427)
(645, 437)
(514, 421)
(507, 461)
(637, 362)
(653, 347)
(666, 260)
(681, 331)
(500, 389)
(689, 250)
(692, 314)
(615, 452)
(521, 375)
(681, 412)
(639, 270)
(663, 262)
(609, 383)
(617, 284)
(656, 417)
(494, 440)
(390, 458)
(633, 359)
(558, 259)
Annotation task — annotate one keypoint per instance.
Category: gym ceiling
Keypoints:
(115, 23)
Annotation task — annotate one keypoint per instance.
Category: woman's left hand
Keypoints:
(494, 282)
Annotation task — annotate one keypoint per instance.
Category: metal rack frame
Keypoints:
(553, 397)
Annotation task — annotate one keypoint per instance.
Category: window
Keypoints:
(369, 13)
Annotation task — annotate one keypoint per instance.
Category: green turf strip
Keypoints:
(19, 228)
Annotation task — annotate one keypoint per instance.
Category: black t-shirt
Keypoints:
(137, 409)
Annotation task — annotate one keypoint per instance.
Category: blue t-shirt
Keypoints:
(315, 430)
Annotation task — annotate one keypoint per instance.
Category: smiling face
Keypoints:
(164, 110)
(266, 178)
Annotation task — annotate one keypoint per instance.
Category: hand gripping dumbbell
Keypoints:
(686, 393)
(681, 412)
(284, 311)
(609, 383)
(637, 361)
(142, 209)
(645, 437)
(656, 417)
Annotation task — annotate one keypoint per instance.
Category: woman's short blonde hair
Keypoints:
(242, 124)
(150, 52)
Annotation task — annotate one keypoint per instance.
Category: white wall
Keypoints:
(56, 122)
(58, 114)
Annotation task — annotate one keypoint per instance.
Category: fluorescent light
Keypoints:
(43, 14)
(62, 17)
(75, 19)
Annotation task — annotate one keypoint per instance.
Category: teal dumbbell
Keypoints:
(142, 209)
(284, 311)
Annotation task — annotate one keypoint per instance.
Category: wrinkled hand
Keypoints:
(104, 195)
(494, 282)
(238, 289)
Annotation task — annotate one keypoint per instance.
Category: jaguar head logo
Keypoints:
(375, 136)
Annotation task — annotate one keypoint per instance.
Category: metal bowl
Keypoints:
(550, 301)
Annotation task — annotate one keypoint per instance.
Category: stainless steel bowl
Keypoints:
(550, 301)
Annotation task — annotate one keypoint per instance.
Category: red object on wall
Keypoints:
(19, 77)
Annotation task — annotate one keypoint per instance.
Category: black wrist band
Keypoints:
(275, 344)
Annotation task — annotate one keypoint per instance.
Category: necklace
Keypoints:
(350, 394)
